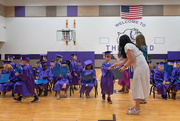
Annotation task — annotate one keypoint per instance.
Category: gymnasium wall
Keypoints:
(32, 29)
(38, 35)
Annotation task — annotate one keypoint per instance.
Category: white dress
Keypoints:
(141, 77)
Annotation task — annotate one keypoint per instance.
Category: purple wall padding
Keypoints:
(83, 56)
(96, 56)
(72, 10)
(173, 55)
(19, 11)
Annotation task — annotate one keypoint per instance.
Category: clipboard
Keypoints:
(4, 78)
(40, 81)
(117, 74)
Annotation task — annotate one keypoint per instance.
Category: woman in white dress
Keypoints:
(133, 55)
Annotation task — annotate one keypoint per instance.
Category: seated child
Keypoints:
(43, 74)
(151, 70)
(38, 68)
(8, 69)
(63, 82)
(163, 86)
(87, 85)
(176, 79)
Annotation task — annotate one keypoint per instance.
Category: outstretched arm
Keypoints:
(120, 63)
(131, 60)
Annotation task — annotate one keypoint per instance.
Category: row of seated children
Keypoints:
(62, 82)
(75, 74)
(23, 82)
(164, 80)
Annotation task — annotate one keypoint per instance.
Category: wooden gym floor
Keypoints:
(75, 108)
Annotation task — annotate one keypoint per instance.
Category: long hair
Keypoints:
(140, 40)
(123, 40)
(8, 67)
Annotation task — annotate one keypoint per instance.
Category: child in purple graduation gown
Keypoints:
(151, 70)
(52, 64)
(27, 85)
(10, 58)
(43, 74)
(86, 86)
(107, 79)
(38, 68)
(162, 85)
(74, 71)
(63, 82)
(175, 79)
(167, 74)
(8, 69)
(80, 68)
(58, 60)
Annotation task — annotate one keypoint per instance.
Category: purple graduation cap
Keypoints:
(7, 62)
(44, 63)
(25, 57)
(39, 62)
(63, 62)
(160, 63)
(178, 61)
(106, 53)
(171, 61)
(87, 62)
(52, 61)
(72, 55)
(43, 55)
(10, 57)
(79, 61)
(58, 56)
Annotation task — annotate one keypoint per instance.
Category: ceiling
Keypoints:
(86, 2)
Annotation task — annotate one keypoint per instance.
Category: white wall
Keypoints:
(38, 35)
(2, 29)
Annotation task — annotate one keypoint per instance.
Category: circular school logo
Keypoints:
(132, 33)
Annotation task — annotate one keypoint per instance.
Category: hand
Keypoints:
(60, 76)
(8, 81)
(179, 79)
(37, 70)
(164, 82)
(122, 69)
(75, 74)
(68, 74)
(16, 74)
(93, 77)
(113, 81)
(167, 82)
(111, 67)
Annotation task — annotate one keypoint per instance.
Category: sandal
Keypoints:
(143, 102)
(133, 112)
(131, 108)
